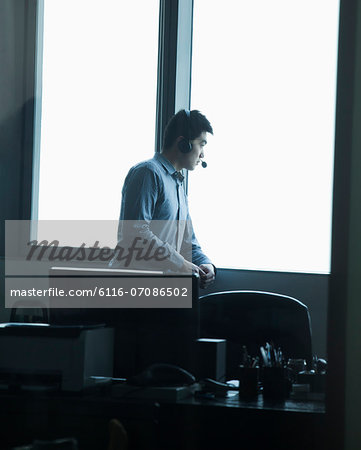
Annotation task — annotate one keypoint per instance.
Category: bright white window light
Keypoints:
(99, 79)
(264, 73)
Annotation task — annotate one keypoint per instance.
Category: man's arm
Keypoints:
(139, 194)
(208, 269)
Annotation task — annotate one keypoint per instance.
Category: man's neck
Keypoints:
(172, 158)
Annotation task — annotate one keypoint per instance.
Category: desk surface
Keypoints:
(237, 424)
(259, 403)
(190, 423)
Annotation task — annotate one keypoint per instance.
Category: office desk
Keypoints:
(232, 423)
(189, 424)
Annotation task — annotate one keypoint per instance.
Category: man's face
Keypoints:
(194, 157)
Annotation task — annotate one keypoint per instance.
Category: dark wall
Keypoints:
(17, 51)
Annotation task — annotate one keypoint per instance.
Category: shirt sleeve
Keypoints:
(139, 194)
(198, 257)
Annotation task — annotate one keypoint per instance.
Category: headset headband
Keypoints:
(184, 144)
(188, 114)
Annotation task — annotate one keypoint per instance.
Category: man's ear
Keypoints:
(183, 144)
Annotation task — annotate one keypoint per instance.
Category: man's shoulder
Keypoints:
(147, 165)
(149, 169)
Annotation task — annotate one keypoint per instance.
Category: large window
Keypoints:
(96, 103)
(264, 73)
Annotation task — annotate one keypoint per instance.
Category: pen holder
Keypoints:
(316, 381)
(296, 366)
(276, 382)
(248, 381)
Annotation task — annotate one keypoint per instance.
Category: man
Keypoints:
(153, 191)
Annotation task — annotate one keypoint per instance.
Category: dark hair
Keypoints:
(189, 127)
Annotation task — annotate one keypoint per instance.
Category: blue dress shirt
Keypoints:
(153, 193)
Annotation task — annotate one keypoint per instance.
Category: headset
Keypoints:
(184, 144)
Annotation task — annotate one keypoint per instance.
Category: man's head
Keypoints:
(185, 137)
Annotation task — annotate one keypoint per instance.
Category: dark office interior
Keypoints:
(97, 419)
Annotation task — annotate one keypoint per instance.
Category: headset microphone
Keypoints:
(204, 164)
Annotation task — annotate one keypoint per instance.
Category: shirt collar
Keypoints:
(165, 163)
(169, 166)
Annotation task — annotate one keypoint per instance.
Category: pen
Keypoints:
(264, 356)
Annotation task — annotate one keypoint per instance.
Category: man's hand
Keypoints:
(205, 271)
(207, 275)
(189, 267)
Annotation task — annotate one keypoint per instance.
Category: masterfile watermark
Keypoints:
(139, 250)
(96, 292)
(33, 247)
(74, 264)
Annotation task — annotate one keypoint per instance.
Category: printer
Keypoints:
(69, 358)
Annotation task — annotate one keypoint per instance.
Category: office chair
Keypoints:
(253, 318)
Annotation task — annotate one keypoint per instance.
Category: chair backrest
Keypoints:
(253, 318)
